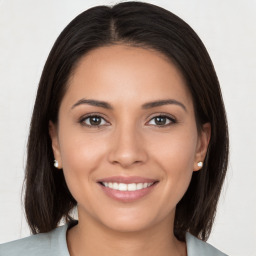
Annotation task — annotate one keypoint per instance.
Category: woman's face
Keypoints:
(127, 161)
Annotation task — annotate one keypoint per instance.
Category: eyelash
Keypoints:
(170, 118)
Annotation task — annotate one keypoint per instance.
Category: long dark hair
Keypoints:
(47, 198)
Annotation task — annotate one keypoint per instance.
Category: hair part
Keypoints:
(138, 24)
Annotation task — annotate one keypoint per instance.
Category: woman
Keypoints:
(129, 126)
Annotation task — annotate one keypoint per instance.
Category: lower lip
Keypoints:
(127, 196)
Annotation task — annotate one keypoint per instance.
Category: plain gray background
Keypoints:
(28, 30)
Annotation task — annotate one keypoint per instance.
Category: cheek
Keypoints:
(176, 152)
(175, 157)
(80, 151)
(81, 156)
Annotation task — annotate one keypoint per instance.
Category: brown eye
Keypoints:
(93, 121)
(163, 120)
(160, 120)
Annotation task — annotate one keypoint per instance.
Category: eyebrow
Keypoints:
(147, 105)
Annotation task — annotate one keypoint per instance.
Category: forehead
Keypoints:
(125, 74)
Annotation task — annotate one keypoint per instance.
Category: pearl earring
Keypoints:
(56, 164)
(200, 164)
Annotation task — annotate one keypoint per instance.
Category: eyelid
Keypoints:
(168, 116)
(164, 115)
(92, 114)
(83, 118)
(172, 119)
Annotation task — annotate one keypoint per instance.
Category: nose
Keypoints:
(127, 147)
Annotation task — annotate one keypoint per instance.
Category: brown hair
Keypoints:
(47, 198)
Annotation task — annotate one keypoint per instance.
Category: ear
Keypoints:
(202, 145)
(53, 132)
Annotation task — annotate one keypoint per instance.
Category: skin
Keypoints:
(129, 142)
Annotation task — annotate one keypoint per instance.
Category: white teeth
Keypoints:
(139, 186)
(115, 185)
(131, 187)
(122, 187)
(126, 187)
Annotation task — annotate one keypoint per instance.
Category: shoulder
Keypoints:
(197, 247)
(51, 243)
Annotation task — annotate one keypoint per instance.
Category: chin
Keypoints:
(128, 223)
(131, 226)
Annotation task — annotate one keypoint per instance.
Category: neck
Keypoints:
(94, 239)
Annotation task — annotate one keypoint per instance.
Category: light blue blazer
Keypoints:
(54, 244)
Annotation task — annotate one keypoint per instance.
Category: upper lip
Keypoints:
(127, 180)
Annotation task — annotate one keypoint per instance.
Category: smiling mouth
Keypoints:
(127, 186)
(127, 189)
